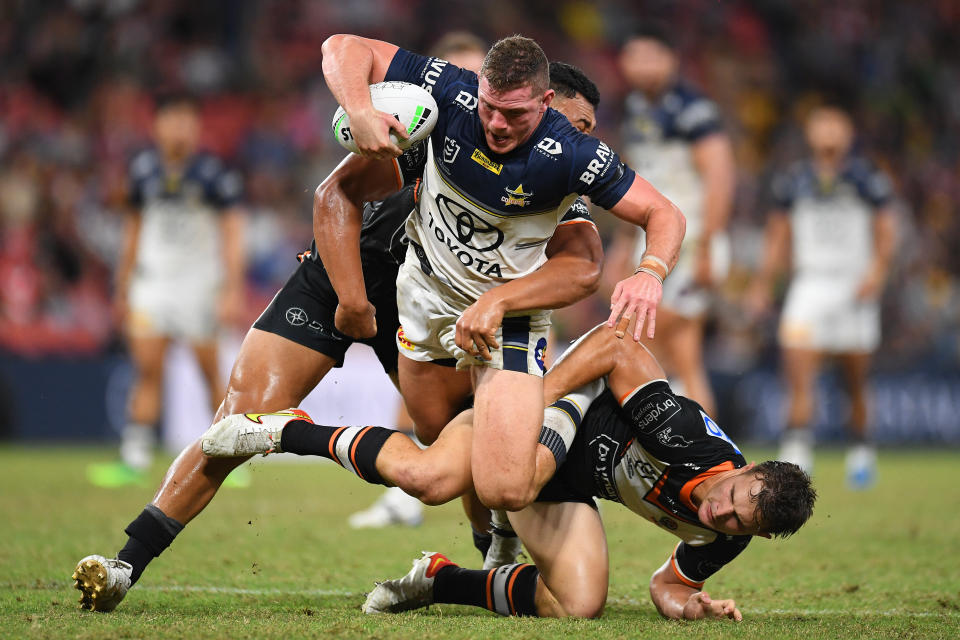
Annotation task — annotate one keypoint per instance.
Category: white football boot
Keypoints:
(247, 434)
(861, 465)
(394, 506)
(796, 446)
(102, 582)
(505, 545)
(412, 591)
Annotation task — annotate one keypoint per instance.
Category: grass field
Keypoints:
(277, 560)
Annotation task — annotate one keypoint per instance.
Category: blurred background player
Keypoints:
(673, 137)
(394, 506)
(180, 275)
(832, 218)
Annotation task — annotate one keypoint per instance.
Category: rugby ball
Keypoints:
(411, 104)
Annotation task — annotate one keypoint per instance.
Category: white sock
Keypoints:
(136, 445)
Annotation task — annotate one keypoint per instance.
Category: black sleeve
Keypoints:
(694, 564)
(676, 430)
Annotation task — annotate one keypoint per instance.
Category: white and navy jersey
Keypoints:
(180, 230)
(383, 241)
(831, 220)
(483, 218)
(658, 138)
(649, 451)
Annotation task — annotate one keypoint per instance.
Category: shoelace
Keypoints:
(260, 438)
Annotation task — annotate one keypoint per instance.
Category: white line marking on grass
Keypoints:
(250, 592)
(841, 612)
(890, 613)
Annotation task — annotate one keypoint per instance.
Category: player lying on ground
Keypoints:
(501, 169)
(636, 442)
(280, 361)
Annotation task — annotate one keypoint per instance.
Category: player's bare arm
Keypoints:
(884, 241)
(128, 256)
(776, 256)
(232, 225)
(636, 297)
(714, 161)
(626, 364)
(570, 274)
(677, 600)
(337, 219)
(350, 65)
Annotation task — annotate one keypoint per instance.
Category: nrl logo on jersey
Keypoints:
(450, 149)
(516, 197)
(481, 159)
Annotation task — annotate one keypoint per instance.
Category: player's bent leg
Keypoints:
(434, 475)
(394, 506)
(571, 544)
(508, 417)
(432, 410)
(508, 590)
(271, 373)
(567, 543)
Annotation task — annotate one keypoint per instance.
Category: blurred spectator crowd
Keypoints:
(77, 77)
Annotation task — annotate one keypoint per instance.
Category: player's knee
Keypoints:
(428, 485)
(584, 605)
(505, 497)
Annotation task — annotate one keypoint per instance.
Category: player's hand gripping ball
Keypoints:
(411, 104)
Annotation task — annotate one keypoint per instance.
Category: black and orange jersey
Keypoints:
(648, 451)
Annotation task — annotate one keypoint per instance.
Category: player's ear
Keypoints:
(547, 99)
(764, 535)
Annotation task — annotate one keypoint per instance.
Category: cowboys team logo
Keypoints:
(516, 197)
(296, 316)
(540, 353)
(469, 229)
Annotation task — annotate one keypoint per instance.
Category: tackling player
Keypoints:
(833, 218)
(180, 274)
(634, 441)
(307, 328)
(674, 137)
(394, 506)
(501, 169)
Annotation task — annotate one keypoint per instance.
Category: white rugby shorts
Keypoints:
(428, 317)
(175, 309)
(823, 314)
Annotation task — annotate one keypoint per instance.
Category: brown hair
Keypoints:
(516, 62)
(786, 501)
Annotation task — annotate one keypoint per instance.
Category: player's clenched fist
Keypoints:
(371, 131)
(637, 297)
